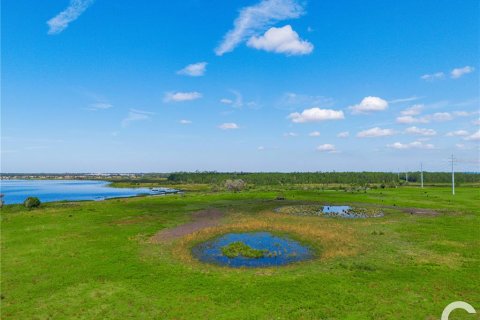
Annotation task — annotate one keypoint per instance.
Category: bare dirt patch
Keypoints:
(201, 219)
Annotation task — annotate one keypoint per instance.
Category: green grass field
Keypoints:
(94, 260)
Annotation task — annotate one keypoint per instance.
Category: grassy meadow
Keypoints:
(95, 260)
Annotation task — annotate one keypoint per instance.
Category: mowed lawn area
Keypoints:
(95, 260)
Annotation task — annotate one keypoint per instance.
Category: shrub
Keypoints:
(32, 202)
(235, 185)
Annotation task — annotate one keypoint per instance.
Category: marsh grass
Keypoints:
(93, 260)
(239, 248)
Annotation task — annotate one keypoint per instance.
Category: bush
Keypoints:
(235, 185)
(32, 202)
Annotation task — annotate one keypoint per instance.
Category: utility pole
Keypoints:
(406, 176)
(421, 173)
(453, 177)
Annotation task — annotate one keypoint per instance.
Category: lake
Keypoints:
(16, 191)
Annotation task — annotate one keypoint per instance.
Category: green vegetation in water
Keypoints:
(239, 248)
(301, 210)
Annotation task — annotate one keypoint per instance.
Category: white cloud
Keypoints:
(290, 134)
(369, 104)
(60, 22)
(413, 110)
(228, 126)
(410, 119)
(181, 96)
(99, 106)
(261, 148)
(459, 72)
(183, 121)
(433, 76)
(404, 100)
(194, 70)
(281, 40)
(476, 122)
(330, 148)
(257, 18)
(314, 134)
(344, 134)
(474, 137)
(438, 116)
(411, 145)
(226, 101)
(442, 116)
(375, 132)
(136, 115)
(291, 100)
(421, 131)
(458, 133)
(316, 114)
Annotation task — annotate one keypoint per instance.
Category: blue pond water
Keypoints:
(288, 250)
(338, 211)
(15, 191)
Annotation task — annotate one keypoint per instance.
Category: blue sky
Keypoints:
(272, 85)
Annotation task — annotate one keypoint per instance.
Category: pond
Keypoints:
(16, 191)
(342, 211)
(251, 249)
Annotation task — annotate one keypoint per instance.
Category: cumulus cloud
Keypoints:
(290, 134)
(184, 121)
(315, 115)
(458, 133)
(228, 126)
(281, 40)
(261, 148)
(181, 96)
(438, 116)
(433, 76)
(369, 104)
(194, 69)
(413, 110)
(292, 100)
(344, 134)
(61, 21)
(410, 119)
(136, 115)
(375, 132)
(459, 72)
(411, 145)
(327, 147)
(421, 131)
(314, 134)
(473, 137)
(257, 18)
(442, 116)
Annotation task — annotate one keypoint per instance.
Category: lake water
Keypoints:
(16, 191)
(285, 250)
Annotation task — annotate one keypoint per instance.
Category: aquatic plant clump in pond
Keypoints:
(256, 249)
(330, 211)
(301, 210)
(239, 248)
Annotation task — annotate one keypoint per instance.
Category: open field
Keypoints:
(97, 260)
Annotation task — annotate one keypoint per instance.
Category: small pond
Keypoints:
(339, 211)
(331, 211)
(261, 249)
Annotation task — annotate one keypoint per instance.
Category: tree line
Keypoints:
(279, 178)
